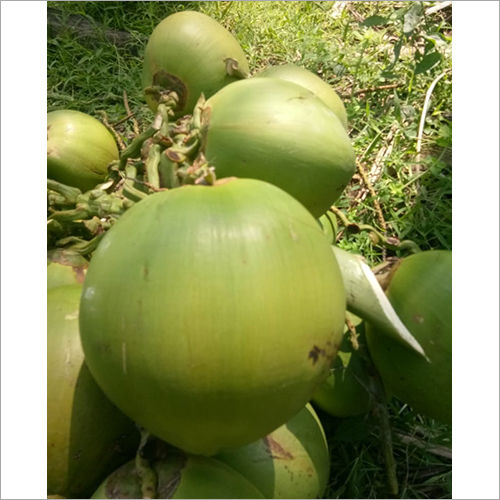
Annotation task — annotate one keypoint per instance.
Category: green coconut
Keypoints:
(420, 292)
(180, 476)
(310, 81)
(79, 149)
(191, 53)
(87, 437)
(291, 462)
(279, 132)
(344, 394)
(190, 341)
(59, 275)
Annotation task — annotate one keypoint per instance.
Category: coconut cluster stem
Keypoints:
(146, 473)
(376, 236)
(164, 156)
(378, 399)
(381, 413)
(353, 335)
(133, 150)
(110, 127)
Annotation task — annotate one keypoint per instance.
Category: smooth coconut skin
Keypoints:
(187, 53)
(180, 476)
(87, 437)
(420, 292)
(279, 132)
(60, 274)
(219, 320)
(343, 394)
(291, 462)
(79, 149)
(310, 81)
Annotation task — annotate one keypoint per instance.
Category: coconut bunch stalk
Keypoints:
(187, 55)
(285, 127)
(156, 159)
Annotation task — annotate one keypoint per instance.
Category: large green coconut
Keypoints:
(420, 292)
(191, 53)
(291, 462)
(310, 81)
(79, 149)
(279, 132)
(219, 320)
(87, 437)
(180, 476)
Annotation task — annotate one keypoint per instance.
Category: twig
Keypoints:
(371, 89)
(424, 114)
(123, 120)
(379, 410)
(376, 236)
(437, 8)
(343, 219)
(440, 451)
(384, 271)
(353, 334)
(130, 114)
(144, 183)
(375, 89)
(144, 469)
(376, 204)
(86, 30)
(118, 137)
(381, 156)
(358, 17)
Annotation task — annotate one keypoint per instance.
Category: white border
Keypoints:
(475, 249)
(23, 247)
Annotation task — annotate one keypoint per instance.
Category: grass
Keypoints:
(353, 46)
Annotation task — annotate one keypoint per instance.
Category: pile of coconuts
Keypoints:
(196, 304)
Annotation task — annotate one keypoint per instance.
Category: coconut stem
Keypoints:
(379, 411)
(233, 68)
(110, 127)
(167, 172)
(135, 125)
(152, 164)
(133, 150)
(145, 471)
(386, 439)
(70, 215)
(80, 246)
(353, 335)
(69, 193)
(376, 236)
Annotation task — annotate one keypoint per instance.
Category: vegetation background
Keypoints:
(382, 58)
